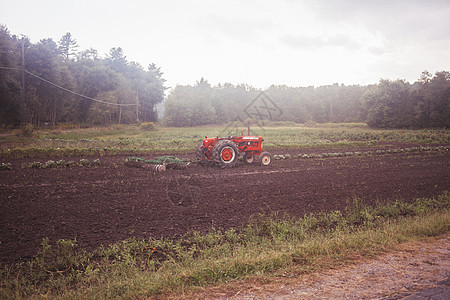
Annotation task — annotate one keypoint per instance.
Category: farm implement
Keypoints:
(225, 152)
(158, 164)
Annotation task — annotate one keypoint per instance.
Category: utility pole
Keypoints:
(23, 82)
(331, 110)
(137, 107)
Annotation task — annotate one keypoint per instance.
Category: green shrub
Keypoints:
(27, 130)
(147, 126)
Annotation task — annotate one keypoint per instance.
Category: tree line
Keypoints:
(64, 85)
(388, 104)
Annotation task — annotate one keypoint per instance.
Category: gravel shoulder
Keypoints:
(414, 270)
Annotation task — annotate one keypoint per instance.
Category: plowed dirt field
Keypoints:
(112, 202)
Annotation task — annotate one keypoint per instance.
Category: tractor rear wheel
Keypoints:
(200, 152)
(265, 159)
(249, 158)
(225, 153)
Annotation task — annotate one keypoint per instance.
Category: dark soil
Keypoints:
(112, 202)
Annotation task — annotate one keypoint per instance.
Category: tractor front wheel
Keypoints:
(249, 158)
(265, 159)
(225, 153)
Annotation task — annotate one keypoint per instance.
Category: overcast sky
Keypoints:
(296, 43)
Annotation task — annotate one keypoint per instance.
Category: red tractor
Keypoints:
(226, 151)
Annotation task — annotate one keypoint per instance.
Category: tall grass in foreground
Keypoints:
(145, 268)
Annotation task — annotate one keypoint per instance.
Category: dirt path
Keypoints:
(416, 270)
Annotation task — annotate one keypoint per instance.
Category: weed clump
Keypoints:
(84, 162)
(63, 164)
(6, 166)
(35, 165)
(147, 126)
(50, 164)
(27, 130)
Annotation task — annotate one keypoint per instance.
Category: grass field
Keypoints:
(133, 139)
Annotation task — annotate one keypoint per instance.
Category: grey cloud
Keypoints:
(311, 43)
(401, 20)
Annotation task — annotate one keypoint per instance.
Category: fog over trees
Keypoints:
(66, 85)
(388, 104)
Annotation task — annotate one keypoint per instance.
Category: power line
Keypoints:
(78, 94)
(67, 90)
(8, 68)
